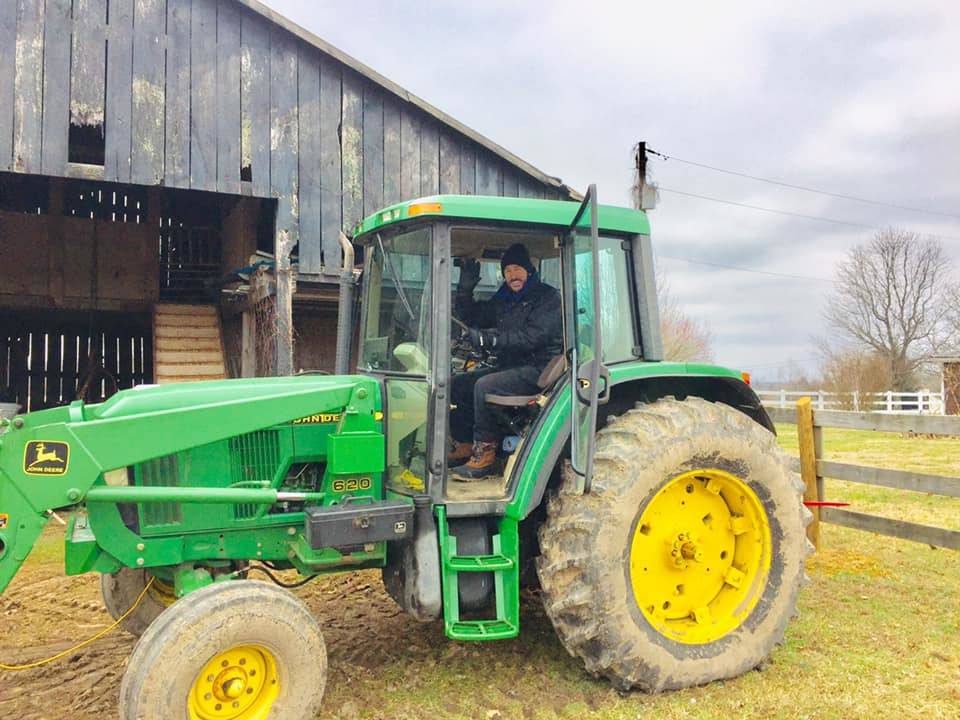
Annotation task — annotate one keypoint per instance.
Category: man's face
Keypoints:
(516, 277)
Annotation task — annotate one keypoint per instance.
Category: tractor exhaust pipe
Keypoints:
(345, 309)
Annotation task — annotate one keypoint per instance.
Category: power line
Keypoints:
(821, 218)
(769, 210)
(793, 186)
(745, 269)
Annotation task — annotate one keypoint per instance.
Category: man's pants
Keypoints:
(473, 419)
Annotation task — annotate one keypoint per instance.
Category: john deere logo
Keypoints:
(46, 458)
(318, 419)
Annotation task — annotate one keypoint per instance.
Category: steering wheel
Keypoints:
(463, 355)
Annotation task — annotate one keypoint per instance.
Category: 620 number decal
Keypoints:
(352, 484)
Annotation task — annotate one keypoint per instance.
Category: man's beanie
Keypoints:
(517, 254)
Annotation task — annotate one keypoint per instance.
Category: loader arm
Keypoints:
(52, 458)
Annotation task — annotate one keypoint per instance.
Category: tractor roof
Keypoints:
(504, 209)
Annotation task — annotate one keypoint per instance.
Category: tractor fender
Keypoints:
(542, 453)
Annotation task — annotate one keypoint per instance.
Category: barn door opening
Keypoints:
(53, 357)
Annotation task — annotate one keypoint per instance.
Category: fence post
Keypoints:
(808, 465)
(783, 398)
(889, 401)
(820, 405)
(856, 400)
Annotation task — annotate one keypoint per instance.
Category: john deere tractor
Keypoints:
(664, 527)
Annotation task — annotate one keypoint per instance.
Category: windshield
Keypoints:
(396, 333)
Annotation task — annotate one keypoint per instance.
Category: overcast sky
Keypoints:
(856, 97)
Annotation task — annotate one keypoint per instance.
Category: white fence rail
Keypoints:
(922, 402)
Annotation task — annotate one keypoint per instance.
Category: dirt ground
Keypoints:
(43, 613)
(367, 636)
(885, 610)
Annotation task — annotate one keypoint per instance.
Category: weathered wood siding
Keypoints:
(210, 95)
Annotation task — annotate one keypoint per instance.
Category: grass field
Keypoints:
(878, 635)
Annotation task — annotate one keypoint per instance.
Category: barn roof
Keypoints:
(405, 95)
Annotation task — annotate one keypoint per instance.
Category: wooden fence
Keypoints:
(814, 468)
(922, 402)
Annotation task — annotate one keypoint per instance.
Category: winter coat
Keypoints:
(529, 324)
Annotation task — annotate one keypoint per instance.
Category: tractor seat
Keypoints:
(548, 376)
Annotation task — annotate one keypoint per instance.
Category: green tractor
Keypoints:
(647, 498)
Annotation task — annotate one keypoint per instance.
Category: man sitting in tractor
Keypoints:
(522, 326)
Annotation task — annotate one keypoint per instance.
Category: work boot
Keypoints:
(459, 453)
(483, 462)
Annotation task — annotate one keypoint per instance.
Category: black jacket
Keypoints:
(529, 330)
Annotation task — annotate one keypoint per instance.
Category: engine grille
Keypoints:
(162, 472)
(254, 458)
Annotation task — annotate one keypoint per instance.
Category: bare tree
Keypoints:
(852, 371)
(890, 298)
(684, 339)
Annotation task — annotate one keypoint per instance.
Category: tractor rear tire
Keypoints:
(683, 564)
(233, 649)
(120, 591)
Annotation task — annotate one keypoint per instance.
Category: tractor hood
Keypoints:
(51, 458)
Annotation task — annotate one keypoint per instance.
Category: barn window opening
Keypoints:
(86, 144)
(191, 252)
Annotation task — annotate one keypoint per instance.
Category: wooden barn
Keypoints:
(174, 175)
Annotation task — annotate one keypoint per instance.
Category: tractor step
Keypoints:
(482, 630)
(479, 563)
(503, 564)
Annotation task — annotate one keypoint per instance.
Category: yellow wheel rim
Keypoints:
(239, 684)
(700, 556)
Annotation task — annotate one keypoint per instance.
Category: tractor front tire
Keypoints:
(231, 650)
(683, 564)
(120, 591)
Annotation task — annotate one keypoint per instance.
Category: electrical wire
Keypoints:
(86, 642)
(793, 186)
(279, 582)
(744, 269)
(789, 213)
(765, 209)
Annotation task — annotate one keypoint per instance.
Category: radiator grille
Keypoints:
(253, 461)
(162, 472)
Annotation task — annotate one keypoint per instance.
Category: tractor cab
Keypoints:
(597, 259)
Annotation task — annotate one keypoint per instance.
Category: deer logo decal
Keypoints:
(46, 458)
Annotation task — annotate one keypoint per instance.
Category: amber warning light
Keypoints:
(424, 209)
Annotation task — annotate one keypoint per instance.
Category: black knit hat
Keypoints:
(517, 254)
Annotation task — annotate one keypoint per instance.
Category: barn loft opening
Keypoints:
(86, 144)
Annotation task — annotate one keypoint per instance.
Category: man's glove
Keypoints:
(482, 339)
(469, 275)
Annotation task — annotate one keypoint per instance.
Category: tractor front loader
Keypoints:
(666, 531)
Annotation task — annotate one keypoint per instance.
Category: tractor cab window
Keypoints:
(506, 349)
(396, 331)
(478, 251)
(395, 341)
(616, 303)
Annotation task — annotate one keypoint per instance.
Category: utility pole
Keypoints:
(644, 195)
